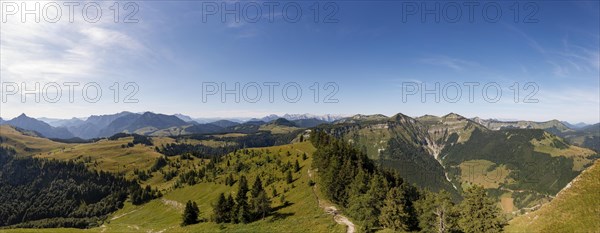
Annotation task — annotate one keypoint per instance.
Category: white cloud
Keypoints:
(449, 62)
(64, 51)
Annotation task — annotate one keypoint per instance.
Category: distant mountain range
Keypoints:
(292, 117)
(44, 129)
(156, 124)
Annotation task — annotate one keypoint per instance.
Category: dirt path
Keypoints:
(121, 215)
(330, 209)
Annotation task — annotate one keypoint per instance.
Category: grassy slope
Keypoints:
(108, 155)
(556, 146)
(26, 144)
(576, 209)
(302, 215)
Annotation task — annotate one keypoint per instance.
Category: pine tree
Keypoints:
(296, 166)
(393, 213)
(437, 213)
(378, 190)
(229, 207)
(243, 186)
(229, 180)
(261, 205)
(362, 209)
(479, 213)
(242, 213)
(282, 200)
(359, 184)
(274, 194)
(289, 178)
(220, 212)
(190, 214)
(256, 187)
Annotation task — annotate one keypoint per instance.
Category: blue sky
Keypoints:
(370, 51)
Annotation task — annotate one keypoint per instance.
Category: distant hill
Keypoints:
(134, 122)
(309, 123)
(294, 117)
(587, 136)
(205, 129)
(184, 117)
(225, 123)
(554, 126)
(92, 126)
(283, 122)
(62, 122)
(46, 130)
(575, 126)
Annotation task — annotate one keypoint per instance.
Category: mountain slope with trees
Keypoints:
(45, 193)
(575, 209)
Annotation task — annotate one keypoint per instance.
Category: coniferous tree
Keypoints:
(359, 184)
(231, 179)
(437, 213)
(190, 214)
(377, 190)
(256, 187)
(282, 200)
(220, 212)
(230, 206)
(242, 211)
(296, 166)
(479, 213)
(393, 213)
(243, 214)
(261, 204)
(289, 178)
(274, 194)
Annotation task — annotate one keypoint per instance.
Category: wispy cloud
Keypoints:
(449, 62)
(569, 58)
(64, 51)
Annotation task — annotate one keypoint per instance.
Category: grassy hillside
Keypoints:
(575, 209)
(108, 155)
(301, 213)
(26, 143)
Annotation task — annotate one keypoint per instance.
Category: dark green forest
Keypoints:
(40, 193)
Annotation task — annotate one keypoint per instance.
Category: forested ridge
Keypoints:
(260, 139)
(38, 193)
(378, 198)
